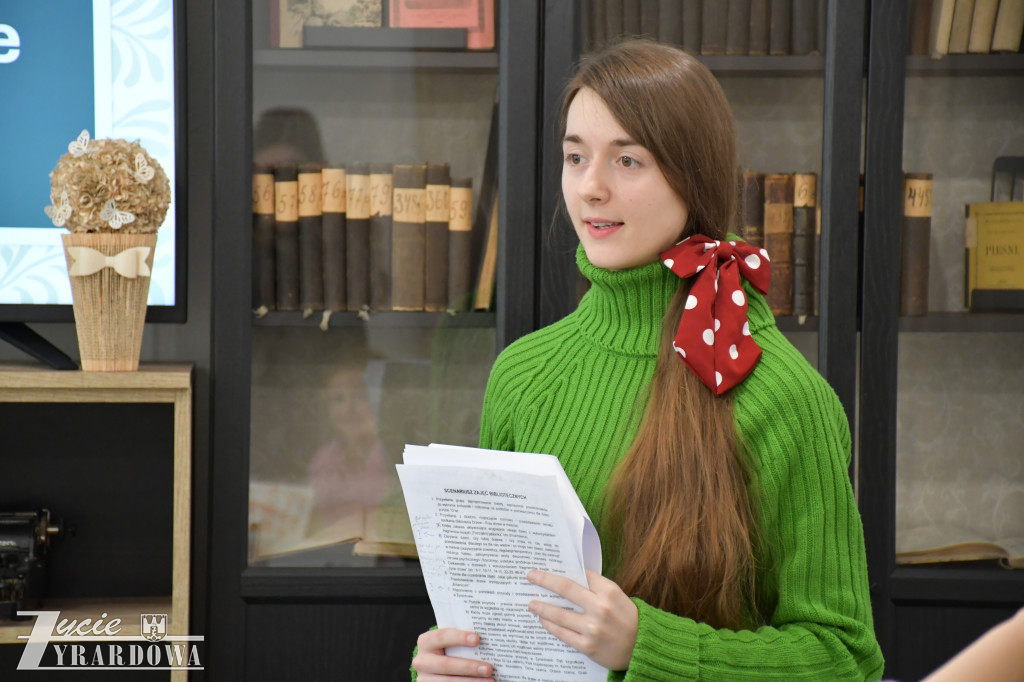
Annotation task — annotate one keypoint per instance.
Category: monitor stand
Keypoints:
(21, 337)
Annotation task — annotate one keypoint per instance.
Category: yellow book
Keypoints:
(994, 245)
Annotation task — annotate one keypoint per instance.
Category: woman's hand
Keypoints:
(433, 665)
(606, 630)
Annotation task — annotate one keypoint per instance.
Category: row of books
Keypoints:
(941, 27)
(712, 27)
(467, 24)
(366, 237)
(780, 212)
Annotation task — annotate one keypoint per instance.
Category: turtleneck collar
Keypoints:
(623, 310)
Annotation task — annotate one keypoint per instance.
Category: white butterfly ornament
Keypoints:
(81, 145)
(60, 213)
(143, 171)
(116, 218)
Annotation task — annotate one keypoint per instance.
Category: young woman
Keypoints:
(710, 453)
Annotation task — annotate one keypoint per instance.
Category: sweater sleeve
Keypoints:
(819, 624)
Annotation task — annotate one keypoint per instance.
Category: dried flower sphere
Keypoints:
(111, 186)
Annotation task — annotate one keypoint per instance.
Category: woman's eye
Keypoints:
(628, 162)
(573, 159)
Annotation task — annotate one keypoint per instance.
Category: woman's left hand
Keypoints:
(606, 630)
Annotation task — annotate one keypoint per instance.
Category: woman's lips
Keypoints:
(602, 229)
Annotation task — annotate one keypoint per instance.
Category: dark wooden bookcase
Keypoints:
(923, 614)
(350, 623)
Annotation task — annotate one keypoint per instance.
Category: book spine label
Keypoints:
(333, 192)
(804, 192)
(408, 246)
(286, 237)
(778, 240)
(311, 276)
(460, 245)
(380, 236)
(437, 196)
(263, 268)
(357, 236)
(915, 243)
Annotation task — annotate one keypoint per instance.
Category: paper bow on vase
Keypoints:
(714, 335)
(129, 263)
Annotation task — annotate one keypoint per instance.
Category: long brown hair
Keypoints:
(679, 511)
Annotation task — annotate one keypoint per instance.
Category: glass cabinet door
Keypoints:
(771, 67)
(376, 327)
(960, 419)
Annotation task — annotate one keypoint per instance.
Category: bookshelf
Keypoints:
(153, 383)
(951, 116)
(376, 60)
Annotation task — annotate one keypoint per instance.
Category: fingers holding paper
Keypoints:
(433, 665)
(606, 630)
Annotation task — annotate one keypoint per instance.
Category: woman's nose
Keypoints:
(593, 185)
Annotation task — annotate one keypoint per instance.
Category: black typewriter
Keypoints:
(24, 545)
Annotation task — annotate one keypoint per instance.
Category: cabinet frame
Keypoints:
(240, 587)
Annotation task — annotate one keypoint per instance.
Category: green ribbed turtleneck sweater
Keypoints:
(569, 390)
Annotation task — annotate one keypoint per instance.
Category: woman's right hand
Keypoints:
(433, 665)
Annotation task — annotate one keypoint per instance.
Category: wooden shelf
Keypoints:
(367, 60)
(797, 323)
(788, 66)
(964, 322)
(377, 319)
(129, 610)
(957, 585)
(967, 65)
(152, 383)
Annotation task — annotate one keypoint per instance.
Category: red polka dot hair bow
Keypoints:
(714, 334)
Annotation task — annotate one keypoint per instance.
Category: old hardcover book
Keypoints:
(920, 26)
(476, 16)
(489, 263)
(939, 543)
(311, 239)
(915, 243)
(357, 235)
(596, 20)
(1006, 35)
(942, 23)
(778, 240)
(804, 32)
(960, 28)
(713, 17)
(670, 22)
(380, 235)
(631, 17)
(752, 207)
(692, 25)
(263, 269)
(650, 11)
(737, 28)
(994, 247)
(408, 248)
(613, 19)
(983, 24)
(436, 213)
(334, 199)
(760, 19)
(804, 208)
(780, 27)
(460, 244)
(286, 235)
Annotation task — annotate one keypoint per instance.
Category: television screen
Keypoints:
(106, 67)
